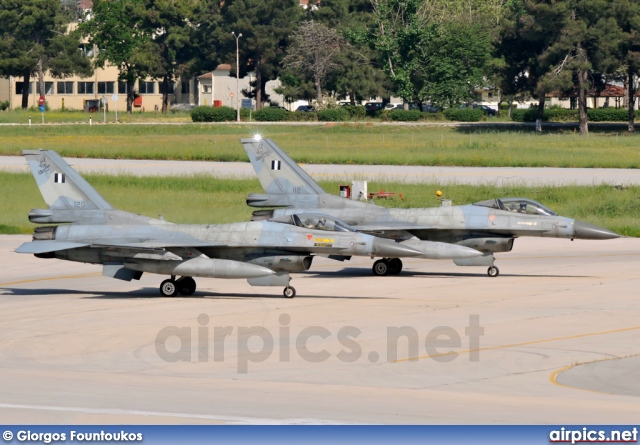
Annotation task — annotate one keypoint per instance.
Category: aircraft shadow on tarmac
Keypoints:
(152, 293)
(354, 272)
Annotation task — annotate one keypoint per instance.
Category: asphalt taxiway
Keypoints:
(437, 344)
(500, 176)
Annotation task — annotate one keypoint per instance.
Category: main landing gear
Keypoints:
(184, 286)
(387, 266)
(493, 271)
(187, 286)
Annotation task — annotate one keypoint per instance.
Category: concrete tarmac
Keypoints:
(501, 176)
(77, 347)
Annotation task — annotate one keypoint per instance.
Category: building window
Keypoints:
(122, 87)
(185, 87)
(48, 88)
(170, 89)
(65, 87)
(106, 87)
(85, 87)
(147, 87)
(20, 87)
(206, 89)
(86, 49)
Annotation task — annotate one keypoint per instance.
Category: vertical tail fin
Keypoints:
(62, 187)
(277, 172)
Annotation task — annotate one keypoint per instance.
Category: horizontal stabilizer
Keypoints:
(48, 246)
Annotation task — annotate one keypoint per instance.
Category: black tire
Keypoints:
(186, 286)
(380, 268)
(289, 292)
(395, 266)
(168, 288)
(493, 271)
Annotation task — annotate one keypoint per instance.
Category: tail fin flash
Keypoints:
(277, 172)
(61, 187)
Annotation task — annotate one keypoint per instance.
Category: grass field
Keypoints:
(333, 143)
(204, 199)
(57, 116)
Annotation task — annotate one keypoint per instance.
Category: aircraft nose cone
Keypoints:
(388, 248)
(583, 230)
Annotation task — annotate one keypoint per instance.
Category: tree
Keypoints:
(265, 26)
(34, 39)
(115, 28)
(627, 16)
(397, 35)
(453, 63)
(172, 27)
(357, 75)
(313, 52)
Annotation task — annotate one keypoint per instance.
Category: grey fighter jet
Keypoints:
(90, 230)
(488, 226)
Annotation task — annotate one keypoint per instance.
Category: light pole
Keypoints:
(237, 73)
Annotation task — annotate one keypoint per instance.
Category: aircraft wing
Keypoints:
(48, 246)
(155, 245)
(389, 225)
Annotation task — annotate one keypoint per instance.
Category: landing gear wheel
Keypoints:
(289, 292)
(493, 271)
(168, 288)
(381, 268)
(186, 286)
(395, 266)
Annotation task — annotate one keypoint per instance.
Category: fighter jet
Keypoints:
(90, 230)
(488, 226)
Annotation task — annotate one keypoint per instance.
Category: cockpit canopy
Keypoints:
(517, 205)
(315, 221)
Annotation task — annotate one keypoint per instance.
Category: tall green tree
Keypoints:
(116, 29)
(34, 39)
(397, 35)
(627, 16)
(358, 75)
(574, 32)
(172, 26)
(265, 26)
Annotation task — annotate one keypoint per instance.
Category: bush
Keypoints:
(355, 111)
(271, 115)
(464, 114)
(333, 115)
(558, 114)
(405, 115)
(4, 105)
(303, 116)
(608, 115)
(210, 114)
(245, 113)
(432, 116)
(525, 115)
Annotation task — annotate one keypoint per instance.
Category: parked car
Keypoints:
(428, 108)
(373, 106)
(305, 108)
(487, 110)
(393, 106)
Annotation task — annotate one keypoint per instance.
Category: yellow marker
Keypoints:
(438, 193)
